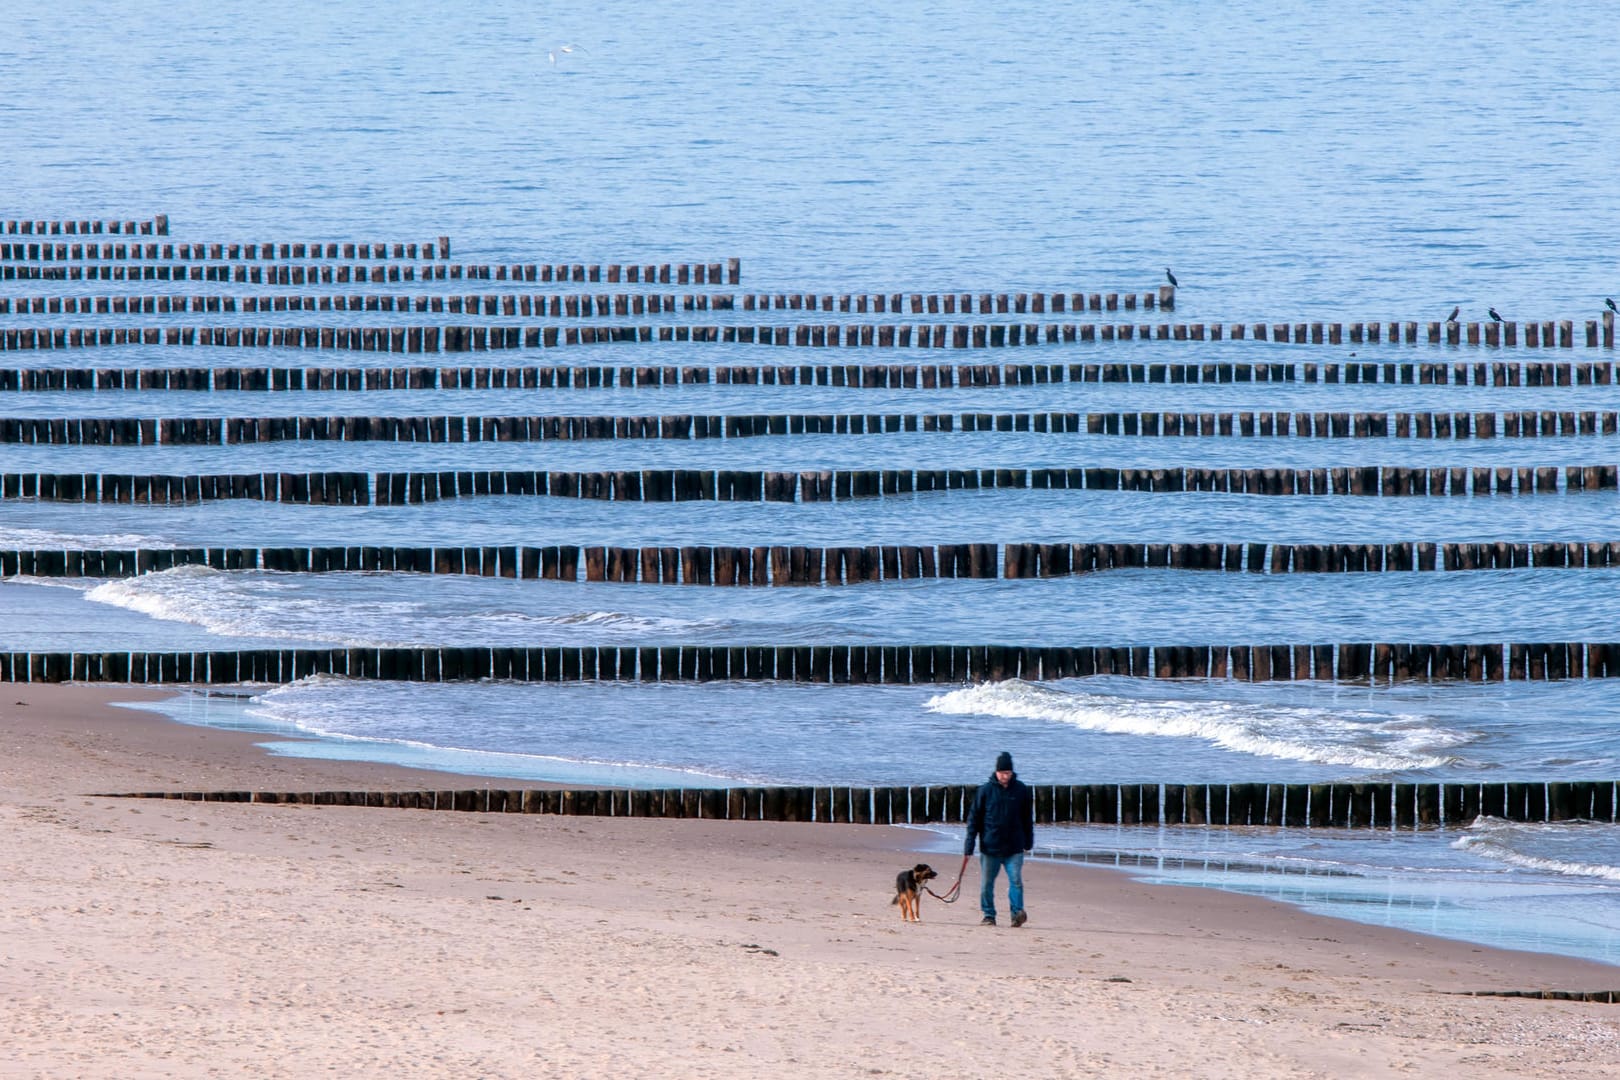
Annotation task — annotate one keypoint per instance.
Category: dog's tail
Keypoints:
(895, 901)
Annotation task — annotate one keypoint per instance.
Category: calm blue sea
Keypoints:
(1347, 163)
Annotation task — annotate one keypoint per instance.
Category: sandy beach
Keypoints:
(146, 939)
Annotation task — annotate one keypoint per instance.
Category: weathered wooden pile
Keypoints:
(1368, 805)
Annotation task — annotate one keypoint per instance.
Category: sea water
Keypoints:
(1289, 165)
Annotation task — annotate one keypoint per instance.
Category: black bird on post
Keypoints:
(1494, 316)
(1174, 284)
(1609, 303)
(1454, 313)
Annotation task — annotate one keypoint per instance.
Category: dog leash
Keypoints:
(955, 890)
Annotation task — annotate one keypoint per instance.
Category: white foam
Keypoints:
(51, 540)
(1299, 734)
(75, 584)
(342, 609)
(615, 619)
(232, 605)
(1516, 844)
(620, 620)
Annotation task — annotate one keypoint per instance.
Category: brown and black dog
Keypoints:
(908, 891)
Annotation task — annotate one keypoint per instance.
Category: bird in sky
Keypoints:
(1174, 284)
(552, 55)
(1494, 316)
(1454, 313)
(1609, 302)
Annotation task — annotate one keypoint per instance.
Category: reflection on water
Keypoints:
(1421, 880)
(1138, 861)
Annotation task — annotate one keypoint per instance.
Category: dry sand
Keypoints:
(142, 938)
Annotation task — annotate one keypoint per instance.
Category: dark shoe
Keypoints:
(1019, 919)
(988, 920)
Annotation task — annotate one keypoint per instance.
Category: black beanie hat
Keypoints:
(1004, 762)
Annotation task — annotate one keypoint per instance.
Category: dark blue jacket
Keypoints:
(1002, 819)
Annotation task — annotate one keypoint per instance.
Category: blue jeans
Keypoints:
(989, 869)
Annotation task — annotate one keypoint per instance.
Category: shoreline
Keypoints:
(498, 943)
(240, 747)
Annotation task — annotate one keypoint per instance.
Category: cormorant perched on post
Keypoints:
(1609, 301)
(1174, 284)
(1454, 313)
(1494, 316)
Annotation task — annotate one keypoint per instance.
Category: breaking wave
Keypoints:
(1361, 741)
(1550, 847)
(339, 611)
(232, 605)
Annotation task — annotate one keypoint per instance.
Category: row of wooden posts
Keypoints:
(1345, 805)
(1596, 997)
(586, 305)
(557, 305)
(869, 376)
(400, 339)
(232, 430)
(1340, 425)
(1379, 663)
(95, 251)
(731, 485)
(713, 273)
(785, 564)
(156, 226)
(327, 273)
(700, 273)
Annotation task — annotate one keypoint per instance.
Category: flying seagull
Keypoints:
(1454, 313)
(1174, 284)
(552, 55)
(1610, 303)
(1494, 316)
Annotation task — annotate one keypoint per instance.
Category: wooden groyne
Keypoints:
(1527, 424)
(556, 305)
(155, 226)
(235, 430)
(1596, 997)
(458, 428)
(736, 485)
(1376, 663)
(680, 485)
(869, 376)
(123, 251)
(116, 262)
(941, 335)
(797, 564)
(332, 488)
(1345, 805)
(583, 305)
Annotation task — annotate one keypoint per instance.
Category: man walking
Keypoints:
(1003, 822)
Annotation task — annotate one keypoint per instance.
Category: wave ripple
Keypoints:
(1361, 741)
